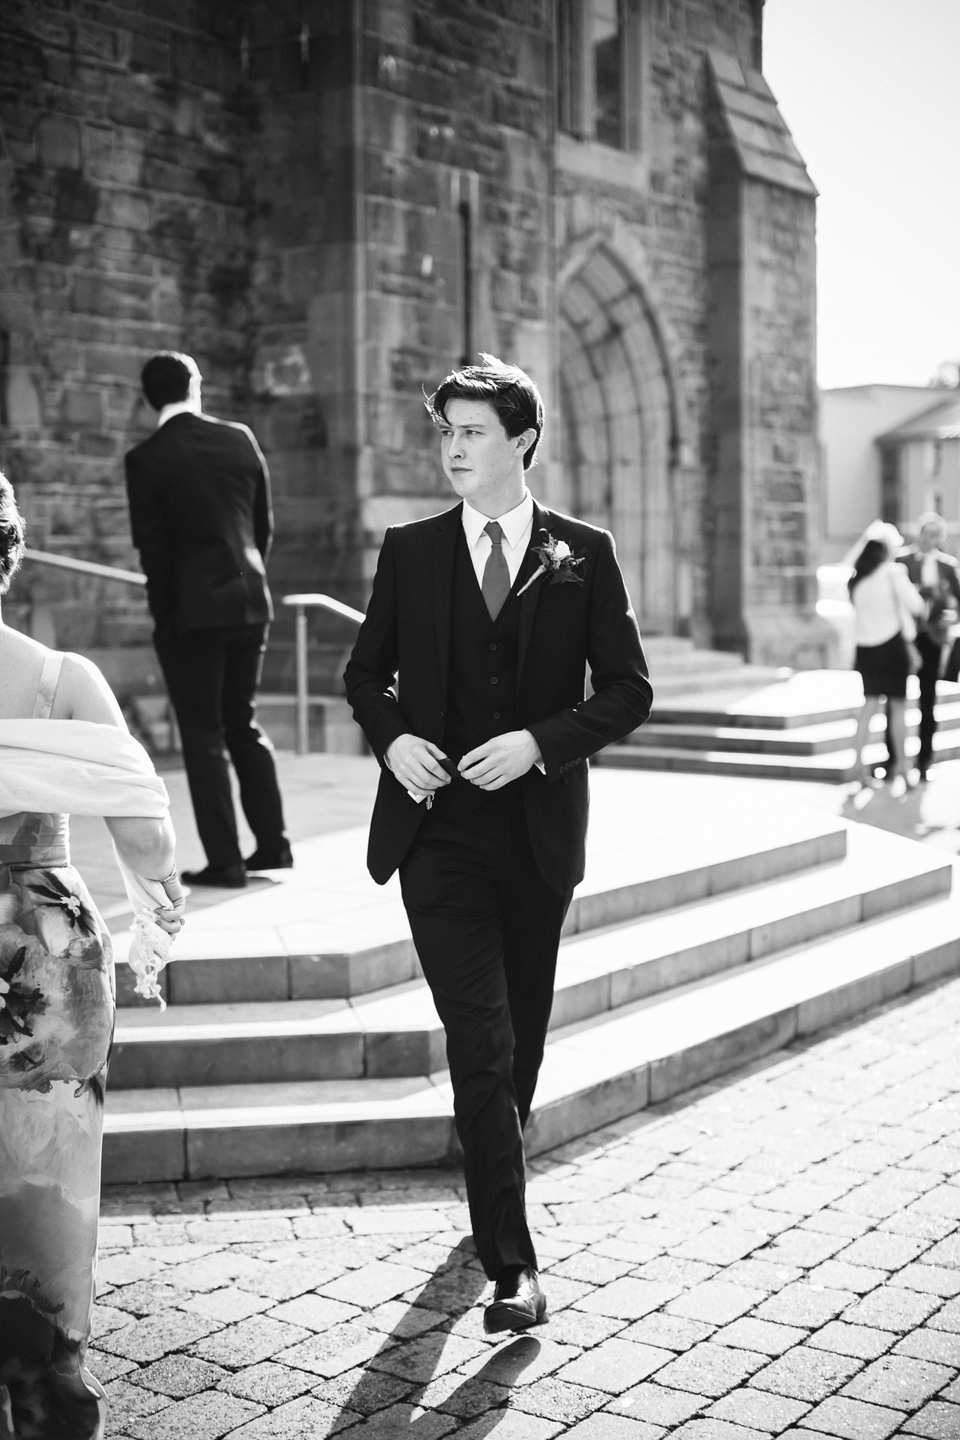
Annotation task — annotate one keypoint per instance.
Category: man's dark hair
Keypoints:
(166, 378)
(510, 391)
(11, 534)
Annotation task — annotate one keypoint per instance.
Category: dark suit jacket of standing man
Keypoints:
(201, 519)
(397, 679)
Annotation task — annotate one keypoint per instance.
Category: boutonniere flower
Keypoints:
(558, 561)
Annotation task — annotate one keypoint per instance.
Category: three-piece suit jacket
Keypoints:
(397, 678)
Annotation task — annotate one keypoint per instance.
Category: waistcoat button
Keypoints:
(493, 680)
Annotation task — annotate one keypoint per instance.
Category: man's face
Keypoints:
(479, 458)
(932, 536)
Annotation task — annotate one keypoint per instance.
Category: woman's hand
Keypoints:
(170, 917)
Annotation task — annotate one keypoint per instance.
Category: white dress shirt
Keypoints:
(516, 526)
(179, 407)
(930, 571)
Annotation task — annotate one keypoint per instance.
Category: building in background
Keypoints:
(332, 202)
(890, 452)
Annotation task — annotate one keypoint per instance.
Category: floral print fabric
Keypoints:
(56, 1024)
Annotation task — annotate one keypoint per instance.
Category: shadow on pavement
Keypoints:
(411, 1355)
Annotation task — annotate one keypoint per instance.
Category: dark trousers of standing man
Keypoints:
(212, 676)
(486, 929)
(931, 653)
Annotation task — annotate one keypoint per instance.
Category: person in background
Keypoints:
(200, 514)
(937, 578)
(63, 743)
(886, 607)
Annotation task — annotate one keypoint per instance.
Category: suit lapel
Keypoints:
(444, 553)
(530, 596)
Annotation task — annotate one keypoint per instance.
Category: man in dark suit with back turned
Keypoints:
(936, 576)
(200, 514)
(468, 678)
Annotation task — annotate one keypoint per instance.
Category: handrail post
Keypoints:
(303, 709)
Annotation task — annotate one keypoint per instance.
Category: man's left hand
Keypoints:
(498, 761)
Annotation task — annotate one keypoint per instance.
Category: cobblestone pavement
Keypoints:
(778, 1254)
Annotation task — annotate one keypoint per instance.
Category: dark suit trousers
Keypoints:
(931, 652)
(486, 929)
(212, 676)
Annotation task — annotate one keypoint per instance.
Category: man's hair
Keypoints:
(931, 518)
(166, 378)
(507, 388)
(11, 534)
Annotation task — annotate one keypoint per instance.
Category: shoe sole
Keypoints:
(501, 1316)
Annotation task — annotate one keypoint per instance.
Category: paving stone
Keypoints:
(285, 1279)
(937, 1421)
(658, 1404)
(892, 1308)
(126, 1404)
(251, 1340)
(883, 1250)
(667, 1332)
(515, 1425)
(761, 1336)
(628, 1298)
(716, 1301)
(900, 1381)
(588, 1266)
(519, 1362)
(576, 1327)
(941, 1200)
(201, 1417)
(268, 1383)
(857, 1340)
(306, 1419)
(806, 1374)
(805, 1305)
(332, 1351)
(374, 1283)
(314, 1312)
(838, 1275)
(931, 1279)
(179, 1376)
(940, 1346)
(556, 1399)
(465, 1397)
(227, 1305)
(947, 1317)
(945, 1252)
(145, 1297)
(762, 1275)
(710, 1369)
(616, 1365)
(157, 1335)
(758, 1409)
(108, 1367)
(612, 1427)
(674, 1270)
(802, 1247)
(853, 1419)
(714, 1429)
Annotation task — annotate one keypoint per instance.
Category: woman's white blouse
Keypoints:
(881, 602)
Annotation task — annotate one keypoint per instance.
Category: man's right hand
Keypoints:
(415, 763)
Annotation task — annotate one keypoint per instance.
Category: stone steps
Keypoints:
(678, 669)
(594, 1072)
(800, 728)
(672, 915)
(396, 1031)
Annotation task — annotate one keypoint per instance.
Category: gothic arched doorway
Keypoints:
(618, 429)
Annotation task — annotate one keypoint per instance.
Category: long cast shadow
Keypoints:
(453, 1289)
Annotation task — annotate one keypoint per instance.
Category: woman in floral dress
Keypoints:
(56, 1024)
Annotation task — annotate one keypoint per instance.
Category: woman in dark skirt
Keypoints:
(885, 606)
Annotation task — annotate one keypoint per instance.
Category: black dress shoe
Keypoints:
(270, 860)
(226, 877)
(518, 1303)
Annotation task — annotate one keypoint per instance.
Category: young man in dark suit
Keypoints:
(468, 680)
(200, 514)
(936, 576)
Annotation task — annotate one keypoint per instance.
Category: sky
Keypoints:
(871, 92)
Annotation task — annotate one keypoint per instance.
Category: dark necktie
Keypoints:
(496, 576)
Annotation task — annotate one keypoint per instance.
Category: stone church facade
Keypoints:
(331, 203)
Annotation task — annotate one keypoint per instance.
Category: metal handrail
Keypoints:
(303, 603)
(85, 567)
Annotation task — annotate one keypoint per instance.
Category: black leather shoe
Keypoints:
(270, 860)
(227, 877)
(518, 1303)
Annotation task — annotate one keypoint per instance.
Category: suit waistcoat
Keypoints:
(482, 694)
